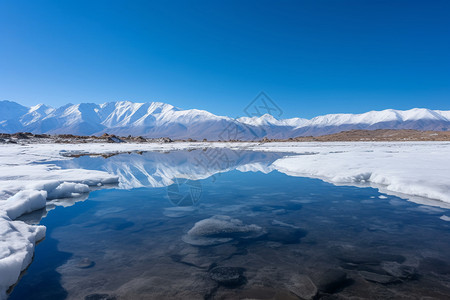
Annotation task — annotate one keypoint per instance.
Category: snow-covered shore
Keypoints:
(28, 180)
(409, 169)
(25, 187)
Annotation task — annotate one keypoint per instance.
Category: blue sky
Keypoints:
(310, 57)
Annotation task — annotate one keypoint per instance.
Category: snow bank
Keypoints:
(17, 178)
(68, 190)
(24, 202)
(17, 239)
(25, 187)
(16, 249)
(417, 170)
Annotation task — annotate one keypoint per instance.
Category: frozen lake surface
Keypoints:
(228, 225)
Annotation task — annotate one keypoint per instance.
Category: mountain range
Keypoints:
(156, 119)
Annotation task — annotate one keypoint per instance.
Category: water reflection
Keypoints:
(255, 234)
(158, 169)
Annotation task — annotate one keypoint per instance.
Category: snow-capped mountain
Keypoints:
(156, 119)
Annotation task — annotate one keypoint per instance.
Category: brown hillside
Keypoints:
(388, 135)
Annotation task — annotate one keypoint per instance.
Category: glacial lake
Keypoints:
(182, 225)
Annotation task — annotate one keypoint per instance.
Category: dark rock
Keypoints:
(228, 276)
(378, 278)
(369, 258)
(370, 268)
(140, 139)
(99, 297)
(67, 136)
(332, 297)
(115, 139)
(331, 281)
(166, 140)
(20, 135)
(399, 270)
(258, 292)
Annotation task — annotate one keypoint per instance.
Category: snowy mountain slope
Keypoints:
(36, 113)
(269, 120)
(416, 118)
(444, 113)
(156, 119)
(80, 119)
(10, 112)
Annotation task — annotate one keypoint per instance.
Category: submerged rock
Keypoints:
(331, 281)
(223, 226)
(285, 235)
(302, 286)
(228, 276)
(204, 258)
(220, 229)
(99, 297)
(85, 263)
(368, 258)
(399, 270)
(256, 292)
(204, 241)
(378, 278)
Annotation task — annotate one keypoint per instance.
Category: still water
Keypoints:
(180, 226)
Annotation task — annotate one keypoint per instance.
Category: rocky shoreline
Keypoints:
(381, 135)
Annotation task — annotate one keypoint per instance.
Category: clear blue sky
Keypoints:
(310, 57)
